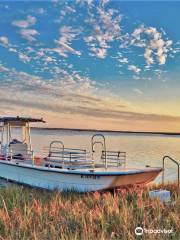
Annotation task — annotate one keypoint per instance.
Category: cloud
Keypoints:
(99, 52)
(64, 48)
(24, 25)
(64, 81)
(105, 29)
(29, 34)
(137, 91)
(3, 69)
(40, 10)
(92, 112)
(12, 50)
(23, 57)
(69, 9)
(74, 90)
(67, 35)
(29, 21)
(134, 69)
(79, 97)
(148, 56)
(123, 60)
(153, 43)
(4, 41)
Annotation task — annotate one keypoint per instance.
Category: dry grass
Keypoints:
(35, 214)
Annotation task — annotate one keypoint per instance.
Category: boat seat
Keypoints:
(19, 151)
(68, 164)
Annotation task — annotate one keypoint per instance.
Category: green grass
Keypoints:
(27, 213)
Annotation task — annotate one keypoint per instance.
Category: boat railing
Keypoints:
(68, 155)
(58, 154)
(178, 168)
(108, 158)
(99, 139)
(116, 158)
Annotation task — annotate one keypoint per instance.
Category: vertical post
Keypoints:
(29, 141)
(178, 179)
(2, 138)
(29, 136)
(7, 134)
(163, 172)
(24, 134)
(8, 140)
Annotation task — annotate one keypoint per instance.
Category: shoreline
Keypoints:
(108, 131)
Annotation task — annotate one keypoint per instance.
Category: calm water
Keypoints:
(142, 149)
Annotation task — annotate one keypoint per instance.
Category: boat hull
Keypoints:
(47, 178)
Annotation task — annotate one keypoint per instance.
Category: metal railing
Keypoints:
(174, 161)
(64, 155)
(116, 158)
(108, 158)
(60, 156)
(102, 143)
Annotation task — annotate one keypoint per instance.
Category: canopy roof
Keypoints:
(20, 119)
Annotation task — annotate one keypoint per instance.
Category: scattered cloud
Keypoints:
(123, 60)
(52, 71)
(87, 112)
(3, 69)
(153, 43)
(29, 21)
(24, 58)
(64, 48)
(105, 29)
(4, 41)
(40, 10)
(24, 25)
(137, 91)
(29, 34)
(67, 35)
(134, 69)
(69, 9)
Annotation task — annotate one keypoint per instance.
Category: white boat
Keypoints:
(64, 168)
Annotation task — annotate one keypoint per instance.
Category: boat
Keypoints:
(65, 169)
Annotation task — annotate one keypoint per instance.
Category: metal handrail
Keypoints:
(102, 143)
(62, 147)
(116, 157)
(59, 142)
(71, 154)
(177, 163)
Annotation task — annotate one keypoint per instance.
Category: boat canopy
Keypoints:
(19, 120)
(16, 136)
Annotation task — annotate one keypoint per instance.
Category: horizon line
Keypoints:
(106, 130)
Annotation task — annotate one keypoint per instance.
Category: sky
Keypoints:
(88, 64)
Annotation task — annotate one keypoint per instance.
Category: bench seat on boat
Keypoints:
(68, 163)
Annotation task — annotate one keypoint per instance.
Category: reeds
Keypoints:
(27, 213)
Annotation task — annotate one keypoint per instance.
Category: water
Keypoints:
(142, 149)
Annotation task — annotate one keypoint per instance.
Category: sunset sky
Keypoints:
(92, 64)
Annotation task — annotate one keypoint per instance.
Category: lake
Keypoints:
(142, 149)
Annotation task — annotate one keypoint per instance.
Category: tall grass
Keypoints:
(27, 213)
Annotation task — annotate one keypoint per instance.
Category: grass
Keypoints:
(27, 213)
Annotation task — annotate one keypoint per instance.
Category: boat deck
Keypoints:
(94, 171)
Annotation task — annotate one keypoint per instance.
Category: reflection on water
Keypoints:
(142, 149)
